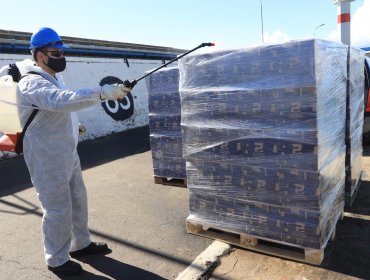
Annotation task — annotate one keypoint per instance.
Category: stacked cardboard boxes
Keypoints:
(355, 119)
(264, 139)
(164, 123)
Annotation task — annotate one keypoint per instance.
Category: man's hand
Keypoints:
(14, 72)
(114, 92)
(81, 129)
(129, 84)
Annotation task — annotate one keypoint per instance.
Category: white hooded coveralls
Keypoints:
(52, 160)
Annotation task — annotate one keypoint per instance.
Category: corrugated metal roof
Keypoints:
(18, 42)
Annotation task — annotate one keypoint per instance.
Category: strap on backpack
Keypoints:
(19, 145)
(34, 112)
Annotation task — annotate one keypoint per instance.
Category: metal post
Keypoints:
(262, 22)
(344, 20)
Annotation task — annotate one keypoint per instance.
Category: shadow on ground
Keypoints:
(14, 174)
(104, 264)
(114, 269)
(349, 252)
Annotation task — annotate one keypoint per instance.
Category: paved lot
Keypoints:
(144, 224)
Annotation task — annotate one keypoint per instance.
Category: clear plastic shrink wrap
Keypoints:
(263, 139)
(355, 120)
(164, 123)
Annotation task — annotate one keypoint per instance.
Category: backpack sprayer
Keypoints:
(11, 142)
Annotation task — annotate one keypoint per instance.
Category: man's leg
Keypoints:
(80, 231)
(56, 222)
(81, 243)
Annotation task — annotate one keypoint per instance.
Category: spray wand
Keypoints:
(134, 82)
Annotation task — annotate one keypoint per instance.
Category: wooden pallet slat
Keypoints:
(275, 248)
(179, 182)
(313, 256)
(248, 241)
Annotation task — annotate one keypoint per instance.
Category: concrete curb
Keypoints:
(206, 262)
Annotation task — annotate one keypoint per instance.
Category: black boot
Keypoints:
(69, 268)
(93, 249)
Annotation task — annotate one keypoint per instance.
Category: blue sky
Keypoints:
(186, 24)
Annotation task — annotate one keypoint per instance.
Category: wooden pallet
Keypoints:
(270, 247)
(349, 199)
(170, 181)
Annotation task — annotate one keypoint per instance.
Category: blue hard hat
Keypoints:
(46, 37)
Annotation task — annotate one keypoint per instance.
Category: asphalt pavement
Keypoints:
(145, 226)
(142, 222)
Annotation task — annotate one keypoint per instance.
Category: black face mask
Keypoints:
(57, 64)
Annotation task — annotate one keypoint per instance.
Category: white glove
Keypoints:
(114, 92)
(81, 129)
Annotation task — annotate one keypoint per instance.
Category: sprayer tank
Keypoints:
(9, 120)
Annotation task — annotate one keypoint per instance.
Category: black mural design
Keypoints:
(121, 109)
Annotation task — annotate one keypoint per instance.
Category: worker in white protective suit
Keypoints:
(50, 151)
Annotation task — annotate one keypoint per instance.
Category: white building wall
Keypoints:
(84, 72)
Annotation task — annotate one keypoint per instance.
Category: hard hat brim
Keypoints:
(56, 46)
(61, 46)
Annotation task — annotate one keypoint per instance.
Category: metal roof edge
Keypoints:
(22, 39)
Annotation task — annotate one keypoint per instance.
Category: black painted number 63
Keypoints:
(119, 110)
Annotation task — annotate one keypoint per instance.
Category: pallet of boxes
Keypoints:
(264, 143)
(165, 127)
(354, 124)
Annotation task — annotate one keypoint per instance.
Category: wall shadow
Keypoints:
(14, 173)
(115, 146)
(14, 176)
